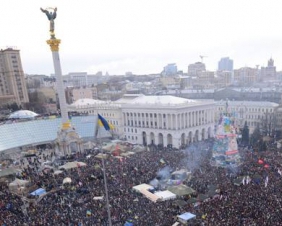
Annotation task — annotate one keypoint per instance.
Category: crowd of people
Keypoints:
(257, 202)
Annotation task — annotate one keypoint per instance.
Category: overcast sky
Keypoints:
(143, 36)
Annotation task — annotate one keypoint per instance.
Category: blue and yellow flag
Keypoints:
(103, 122)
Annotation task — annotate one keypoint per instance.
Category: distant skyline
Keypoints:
(143, 36)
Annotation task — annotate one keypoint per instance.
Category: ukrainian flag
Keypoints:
(103, 122)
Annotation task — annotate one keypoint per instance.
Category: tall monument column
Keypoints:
(68, 141)
(54, 45)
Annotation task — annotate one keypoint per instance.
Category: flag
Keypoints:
(103, 122)
(266, 182)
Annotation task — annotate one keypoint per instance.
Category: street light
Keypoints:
(106, 189)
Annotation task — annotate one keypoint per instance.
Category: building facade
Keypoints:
(167, 121)
(196, 68)
(253, 112)
(12, 81)
(268, 73)
(225, 64)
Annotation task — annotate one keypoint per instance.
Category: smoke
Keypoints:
(164, 173)
(196, 154)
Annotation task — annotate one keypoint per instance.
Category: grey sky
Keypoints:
(143, 36)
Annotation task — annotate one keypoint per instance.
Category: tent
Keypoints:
(185, 217)
(67, 180)
(181, 190)
(128, 223)
(58, 172)
(71, 165)
(140, 187)
(39, 191)
(17, 183)
(149, 195)
(165, 195)
(100, 156)
(9, 172)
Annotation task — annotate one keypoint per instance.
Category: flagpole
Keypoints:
(105, 177)
(106, 190)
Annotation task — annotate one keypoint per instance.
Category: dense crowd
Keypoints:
(255, 203)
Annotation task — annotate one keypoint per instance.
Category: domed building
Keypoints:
(23, 114)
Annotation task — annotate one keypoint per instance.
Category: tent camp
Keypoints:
(140, 187)
(165, 195)
(181, 190)
(185, 217)
(39, 192)
(71, 165)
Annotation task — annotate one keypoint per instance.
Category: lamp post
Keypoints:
(106, 189)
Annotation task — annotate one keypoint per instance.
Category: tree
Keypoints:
(256, 136)
(245, 134)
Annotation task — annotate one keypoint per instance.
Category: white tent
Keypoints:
(149, 195)
(71, 165)
(67, 180)
(17, 183)
(58, 172)
(140, 187)
(165, 195)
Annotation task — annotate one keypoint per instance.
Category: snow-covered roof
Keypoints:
(23, 114)
(127, 98)
(247, 103)
(162, 100)
(86, 101)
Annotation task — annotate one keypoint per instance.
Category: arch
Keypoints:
(152, 138)
(190, 137)
(209, 132)
(144, 138)
(169, 140)
(161, 139)
(196, 138)
(183, 139)
(73, 147)
(203, 134)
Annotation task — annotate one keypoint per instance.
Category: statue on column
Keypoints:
(51, 17)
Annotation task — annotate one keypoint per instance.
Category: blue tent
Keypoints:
(128, 223)
(39, 191)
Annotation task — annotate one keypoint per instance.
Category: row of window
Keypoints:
(245, 109)
(155, 115)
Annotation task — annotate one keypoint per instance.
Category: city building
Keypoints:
(253, 112)
(159, 120)
(196, 68)
(268, 73)
(12, 81)
(225, 64)
(167, 121)
(223, 79)
(245, 76)
(170, 69)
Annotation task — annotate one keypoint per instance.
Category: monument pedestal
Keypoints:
(68, 141)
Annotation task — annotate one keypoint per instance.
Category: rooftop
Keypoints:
(42, 131)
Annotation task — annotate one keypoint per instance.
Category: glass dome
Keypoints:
(23, 114)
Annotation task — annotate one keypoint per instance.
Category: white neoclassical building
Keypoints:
(159, 120)
(167, 120)
(252, 112)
